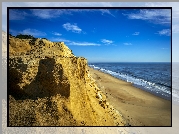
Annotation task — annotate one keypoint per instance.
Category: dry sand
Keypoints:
(138, 107)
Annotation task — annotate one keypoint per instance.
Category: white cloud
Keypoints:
(44, 14)
(48, 13)
(60, 40)
(175, 12)
(106, 11)
(136, 33)
(102, 11)
(69, 42)
(127, 44)
(83, 44)
(72, 27)
(159, 16)
(57, 34)
(165, 32)
(174, 5)
(15, 14)
(53, 13)
(28, 31)
(33, 32)
(105, 41)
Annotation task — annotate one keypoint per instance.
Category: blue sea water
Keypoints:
(152, 77)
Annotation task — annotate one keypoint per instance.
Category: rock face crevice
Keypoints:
(55, 87)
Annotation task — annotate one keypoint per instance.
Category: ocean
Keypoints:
(153, 77)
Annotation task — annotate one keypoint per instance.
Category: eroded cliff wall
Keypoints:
(49, 86)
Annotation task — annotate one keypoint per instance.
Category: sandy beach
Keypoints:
(138, 107)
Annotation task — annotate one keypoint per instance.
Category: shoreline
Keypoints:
(139, 107)
(154, 92)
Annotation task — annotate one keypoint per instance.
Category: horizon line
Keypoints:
(132, 62)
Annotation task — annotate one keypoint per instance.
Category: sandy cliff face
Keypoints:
(49, 86)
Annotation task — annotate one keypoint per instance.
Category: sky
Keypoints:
(101, 35)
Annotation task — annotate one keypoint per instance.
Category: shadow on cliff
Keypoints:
(15, 77)
(49, 81)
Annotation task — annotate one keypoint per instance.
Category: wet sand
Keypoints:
(138, 107)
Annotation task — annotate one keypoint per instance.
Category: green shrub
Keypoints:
(21, 36)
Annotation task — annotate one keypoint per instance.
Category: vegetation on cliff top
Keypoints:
(25, 36)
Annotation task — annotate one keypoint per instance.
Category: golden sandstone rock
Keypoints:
(49, 86)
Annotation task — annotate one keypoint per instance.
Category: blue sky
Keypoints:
(101, 35)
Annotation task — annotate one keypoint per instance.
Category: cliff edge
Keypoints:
(49, 86)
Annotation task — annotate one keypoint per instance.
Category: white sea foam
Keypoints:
(149, 86)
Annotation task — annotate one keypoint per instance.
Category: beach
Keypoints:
(138, 107)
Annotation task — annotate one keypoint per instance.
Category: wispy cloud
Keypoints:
(175, 12)
(72, 27)
(69, 42)
(28, 31)
(159, 16)
(57, 34)
(107, 42)
(60, 40)
(15, 14)
(102, 11)
(165, 32)
(174, 5)
(106, 11)
(33, 32)
(127, 44)
(54, 13)
(83, 44)
(48, 13)
(136, 33)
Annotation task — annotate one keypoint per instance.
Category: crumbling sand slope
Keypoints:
(49, 86)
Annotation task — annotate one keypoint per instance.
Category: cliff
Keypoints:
(49, 86)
